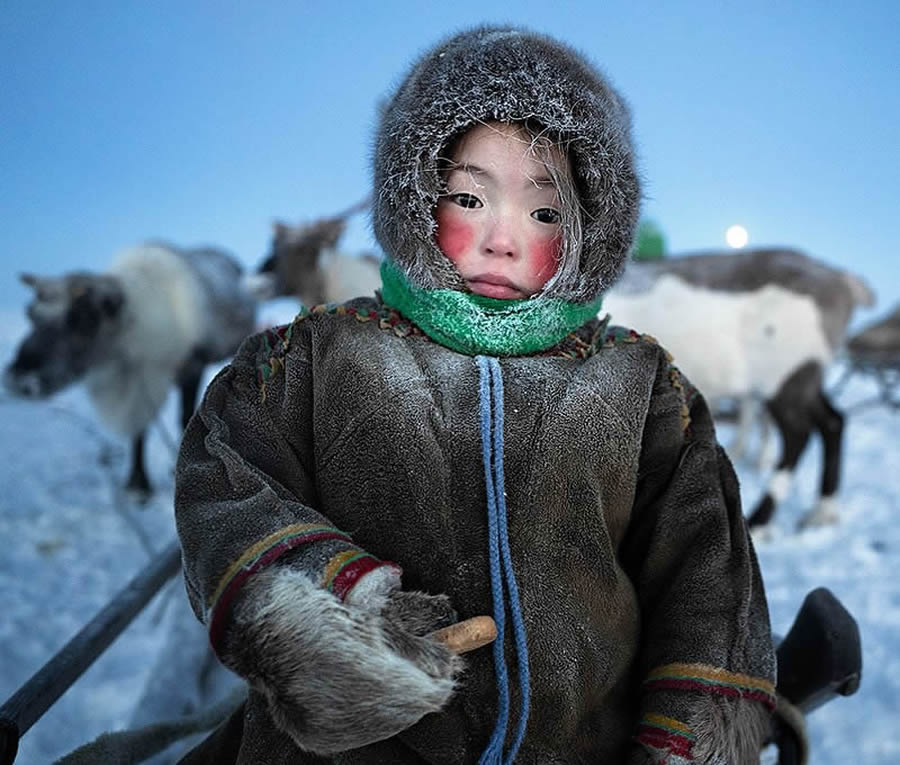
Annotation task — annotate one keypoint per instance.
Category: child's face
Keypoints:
(499, 219)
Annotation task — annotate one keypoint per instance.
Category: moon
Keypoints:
(736, 236)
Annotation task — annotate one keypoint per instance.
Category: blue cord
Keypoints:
(515, 606)
(494, 751)
(501, 567)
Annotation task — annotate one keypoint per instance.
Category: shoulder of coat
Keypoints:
(275, 342)
(617, 336)
(365, 310)
(612, 335)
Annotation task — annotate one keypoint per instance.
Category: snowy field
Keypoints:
(70, 541)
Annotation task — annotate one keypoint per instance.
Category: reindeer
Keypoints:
(304, 263)
(158, 316)
(759, 323)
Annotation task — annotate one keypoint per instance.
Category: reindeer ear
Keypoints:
(30, 279)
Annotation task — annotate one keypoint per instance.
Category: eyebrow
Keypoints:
(467, 167)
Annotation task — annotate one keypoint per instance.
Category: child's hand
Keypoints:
(419, 613)
(336, 675)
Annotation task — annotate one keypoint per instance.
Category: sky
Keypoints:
(202, 122)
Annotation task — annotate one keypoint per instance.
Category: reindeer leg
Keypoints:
(768, 449)
(747, 413)
(793, 409)
(830, 423)
(137, 483)
(795, 431)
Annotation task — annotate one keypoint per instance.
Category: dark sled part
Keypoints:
(789, 734)
(821, 656)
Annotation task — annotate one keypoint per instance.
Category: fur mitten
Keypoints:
(340, 675)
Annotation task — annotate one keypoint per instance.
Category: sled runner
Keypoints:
(875, 351)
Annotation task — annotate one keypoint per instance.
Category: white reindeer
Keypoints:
(158, 316)
(758, 323)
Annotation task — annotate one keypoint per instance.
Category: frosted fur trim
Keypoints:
(730, 731)
(335, 677)
(506, 75)
(256, 558)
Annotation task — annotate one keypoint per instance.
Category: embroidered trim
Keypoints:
(715, 680)
(345, 569)
(336, 563)
(387, 318)
(685, 390)
(276, 341)
(666, 736)
(616, 335)
(580, 344)
(257, 557)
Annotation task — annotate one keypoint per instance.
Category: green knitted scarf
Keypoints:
(473, 324)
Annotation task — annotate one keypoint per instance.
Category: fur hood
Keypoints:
(507, 75)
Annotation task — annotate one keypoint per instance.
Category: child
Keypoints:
(478, 429)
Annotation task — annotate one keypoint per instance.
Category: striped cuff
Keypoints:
(255, 559)
(349, 568)
(703, 678)
(669, 740)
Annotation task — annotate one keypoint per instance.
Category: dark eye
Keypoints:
(468, 201)
(546, 215)
(83, 317)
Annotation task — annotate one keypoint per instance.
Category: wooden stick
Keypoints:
(468, 634)
(38, 694)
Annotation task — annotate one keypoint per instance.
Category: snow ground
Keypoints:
(71, 540)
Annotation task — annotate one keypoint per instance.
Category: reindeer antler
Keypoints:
(353, 209)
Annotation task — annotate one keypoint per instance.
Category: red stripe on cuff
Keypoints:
(347, 578)
(673, 684)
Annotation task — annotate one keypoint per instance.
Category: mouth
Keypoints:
(494, 286)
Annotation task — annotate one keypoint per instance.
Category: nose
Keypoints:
(27, 385)
(500, 238)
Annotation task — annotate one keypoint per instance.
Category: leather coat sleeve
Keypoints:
(310, 620)
(245, 490)
(707, 662)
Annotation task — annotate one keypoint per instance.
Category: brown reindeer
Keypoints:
(304, 262)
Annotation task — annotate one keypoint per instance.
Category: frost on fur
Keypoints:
(335, 677)
(730, 732)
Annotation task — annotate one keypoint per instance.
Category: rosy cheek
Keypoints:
(454, 236)
(544, 255)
